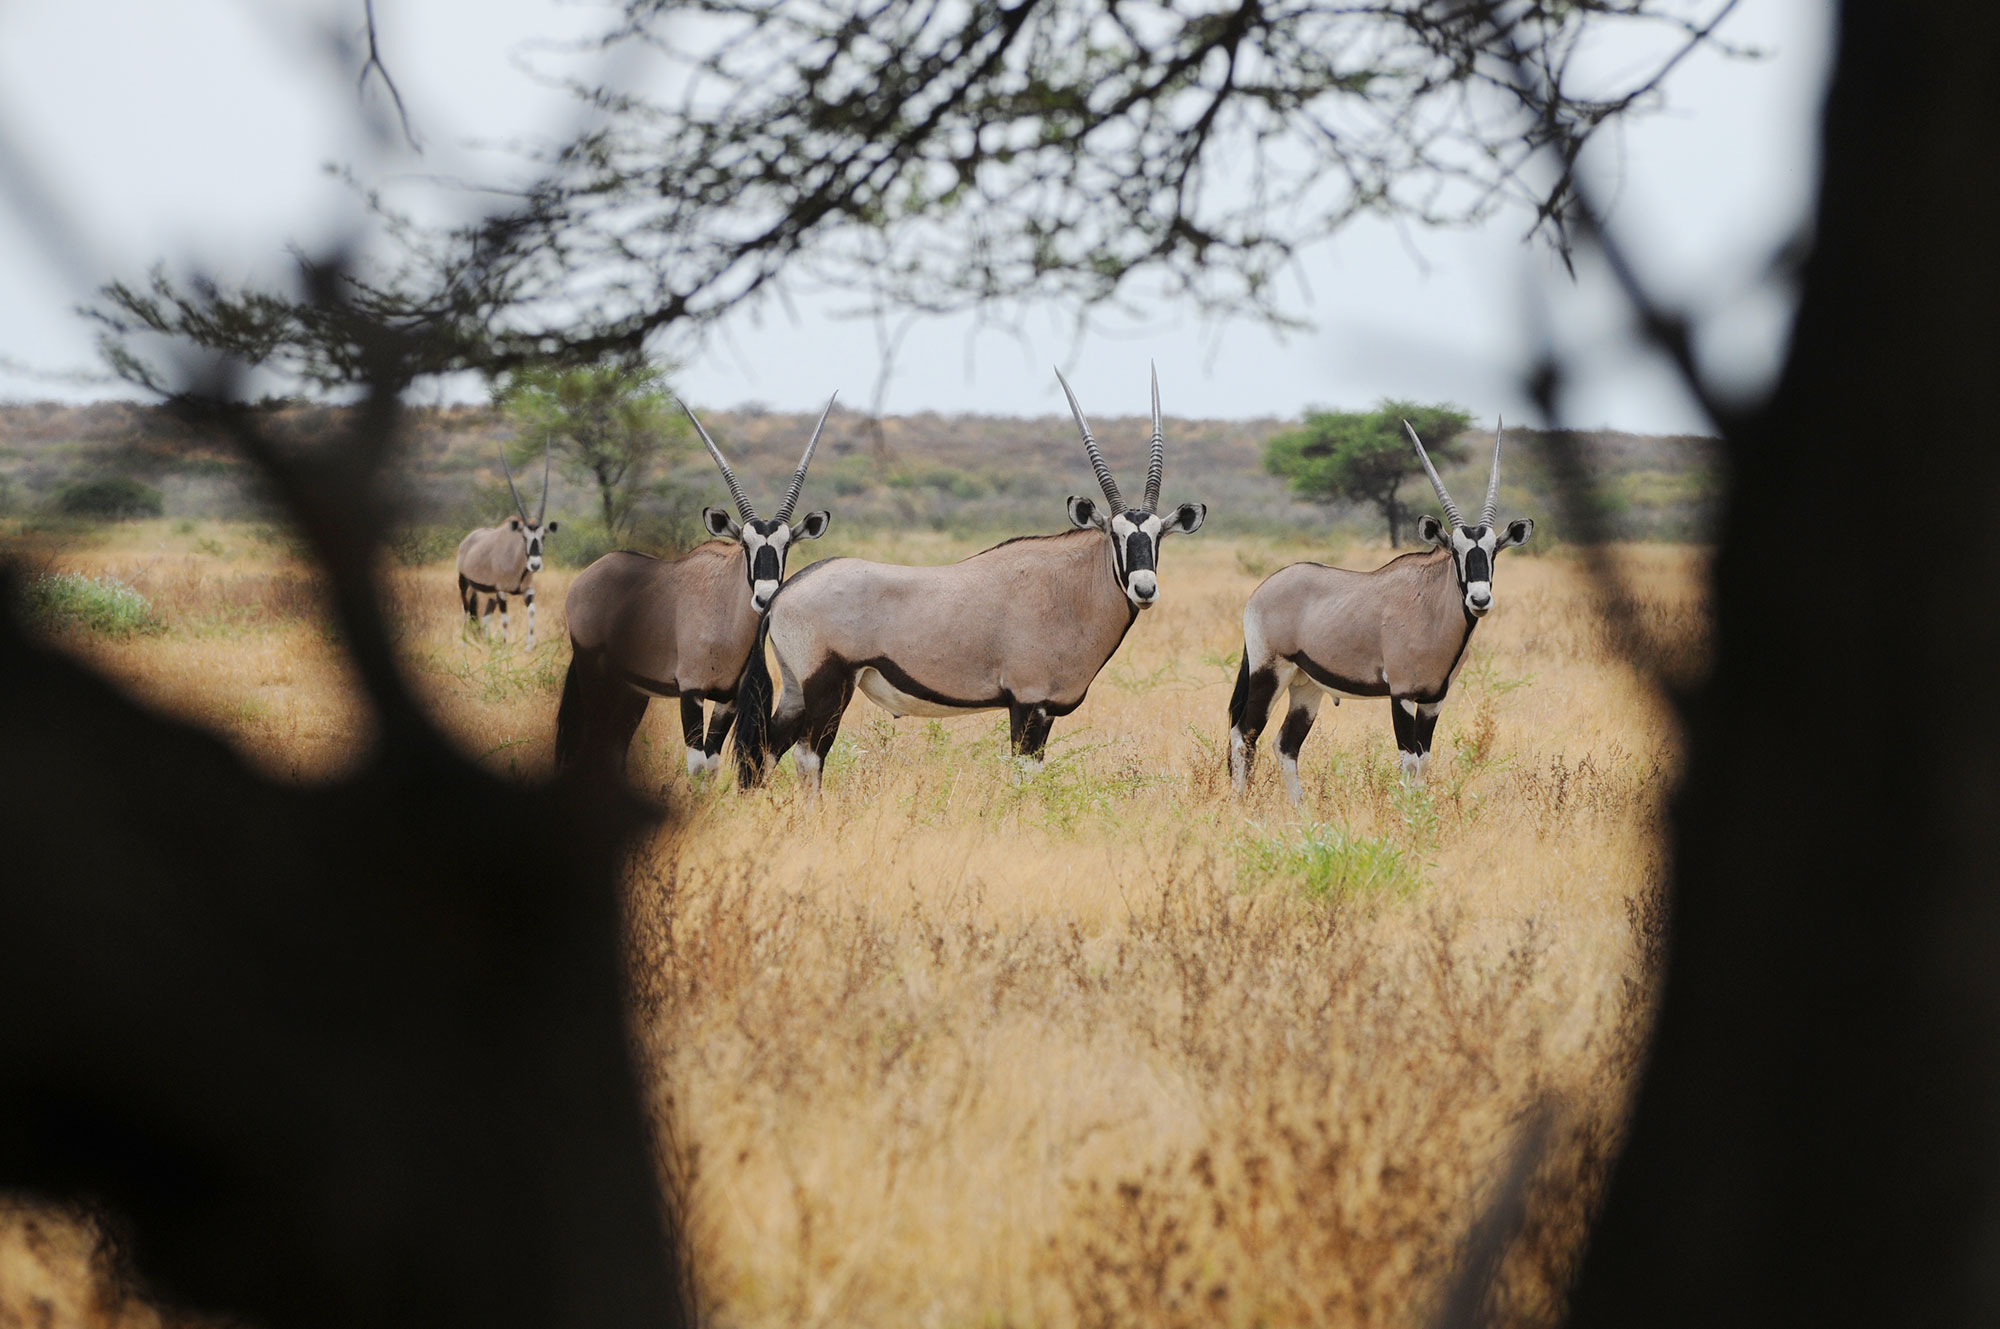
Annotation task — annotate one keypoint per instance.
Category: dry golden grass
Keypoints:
(950, 1049)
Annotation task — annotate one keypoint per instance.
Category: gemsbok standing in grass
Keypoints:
(1399, 632)
(1024, 626)
(642, 627)
(499, 561)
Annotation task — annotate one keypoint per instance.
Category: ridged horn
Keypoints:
(508, 471)
(1450, 508)
(1493, 483)
(1104, 479)
(799, 476)
(543, 510)
(1156, 460)
(743, 508)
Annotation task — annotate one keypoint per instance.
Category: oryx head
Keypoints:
(531, 532)
(765, 542)
(1135, 533)
(1473, 548)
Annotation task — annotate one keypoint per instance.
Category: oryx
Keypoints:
(642, 627)
(1026, 625)
(1398, 632)
(499, 561)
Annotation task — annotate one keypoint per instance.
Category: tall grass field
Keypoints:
(1099, 1047)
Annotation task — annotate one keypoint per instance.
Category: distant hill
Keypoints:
(969, 474)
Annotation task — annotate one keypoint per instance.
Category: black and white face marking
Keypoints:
(532, 537)
(765, 544)
(1473, 549)
(1135, 542)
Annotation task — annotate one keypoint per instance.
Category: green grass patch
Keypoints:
(1329, 863)
(104, 605)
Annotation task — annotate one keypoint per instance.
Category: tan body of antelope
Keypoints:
(642, 627)
(1024, 626)
(1399, 632)
(498, 561)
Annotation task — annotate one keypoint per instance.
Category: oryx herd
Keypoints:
(1025, 626)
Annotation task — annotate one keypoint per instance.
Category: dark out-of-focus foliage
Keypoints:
(951, 156)
(1364, 456)
(115, 496)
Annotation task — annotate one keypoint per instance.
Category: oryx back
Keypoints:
(1028, 622)
(669, 627)
(1397, 631)
(494, 559)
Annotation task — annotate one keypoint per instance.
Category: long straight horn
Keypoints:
(543, 510)
(1156, 461)
(743, 508)
(1450, 508)
(799, 476)
(508, 471)
(1493, 483)
(1090, 445)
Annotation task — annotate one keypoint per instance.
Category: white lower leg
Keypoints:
(531, 622)
(1239, 764)
(1413, 767)
(697, 764)
(807, 762)
(1289, 765)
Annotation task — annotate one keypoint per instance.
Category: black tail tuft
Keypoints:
(570, 719)
(753, 714)
(1240, 698)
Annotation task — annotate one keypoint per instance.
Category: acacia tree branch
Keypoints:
(941, 158)
(374, 63)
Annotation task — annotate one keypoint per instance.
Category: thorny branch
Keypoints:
(374, 63)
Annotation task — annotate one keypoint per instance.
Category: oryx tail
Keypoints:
(754, 699)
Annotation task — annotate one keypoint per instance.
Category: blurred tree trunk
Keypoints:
(1818, 1137)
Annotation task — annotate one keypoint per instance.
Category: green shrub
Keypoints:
(413, 546)
(103, 605)
(114, 497)
(1329, 863)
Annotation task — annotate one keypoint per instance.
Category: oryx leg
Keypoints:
(719, 721)
(1415, 723)
(501, 601)
(1265, 683)
(1299, 717)
(529, 597)
(624, 708)
(827, 694)
(691, 723)
(1027, 734)
(468, 600)
(1425, 724)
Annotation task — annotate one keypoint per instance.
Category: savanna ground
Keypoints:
(1103, 1047)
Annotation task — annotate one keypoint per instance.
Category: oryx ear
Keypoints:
(514, 523)
(1518, 532)
(812, 526)
(1187, 519)
(720, 524)
(550, 529)
(1430, 530)
(1083, 514)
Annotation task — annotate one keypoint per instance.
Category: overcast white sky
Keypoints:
(198, 132)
